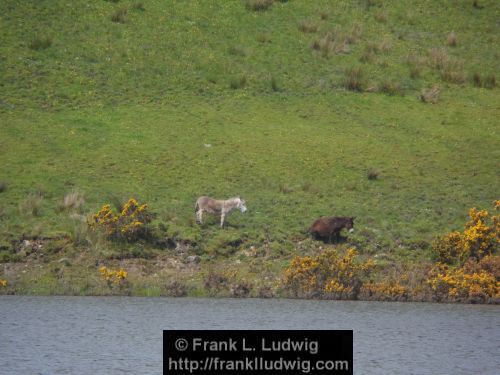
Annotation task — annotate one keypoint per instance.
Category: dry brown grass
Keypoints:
(354, 79)
(451, 75)
(430, 95)
(451, 39)
(415, 64)
(438, 58)
(355, 33)
(331, 44)
(73, 200)
(385, 45)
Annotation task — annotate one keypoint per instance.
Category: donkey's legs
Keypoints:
(199, 216)
(222, 216)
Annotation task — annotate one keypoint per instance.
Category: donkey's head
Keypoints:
(241, 205)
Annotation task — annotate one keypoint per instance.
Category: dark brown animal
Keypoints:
(327, 227)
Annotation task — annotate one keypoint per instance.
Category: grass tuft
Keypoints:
(451, 39)
(391, 88)
(331, 44)
(354, 79)
(490, 81)
(308, 26)
(120, 15)
(372, 174)
(324, 15)
(430, 95)
(263, 38)
(31, 205)
(237, 51)
(73, 200)
(139, 6)
(381, 16)
(259, 5)
(3, 186)
(274, 84)
(238, 82)
(40, 43)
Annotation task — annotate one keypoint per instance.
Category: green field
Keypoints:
(169, 100)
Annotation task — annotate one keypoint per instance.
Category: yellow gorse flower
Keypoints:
(113, 276)
(129, 223)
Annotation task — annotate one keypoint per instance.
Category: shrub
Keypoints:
(120, 15)
(40, 43)
(480, 237)
(354, 79)
(216, 282)
(328, 275)
(240, 289)
(308, 26)
(176, 289)
(259, 5)
(385, 291)
(451, 39)
(130, 224)
(457, 284)
(430, 95)
(114, 277)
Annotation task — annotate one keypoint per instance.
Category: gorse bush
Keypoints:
(468, 267)
(130, 223)
(114, 277)
(463, 285)
(480, 237)
(328, 275)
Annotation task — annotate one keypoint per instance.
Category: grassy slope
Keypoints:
(126, 110)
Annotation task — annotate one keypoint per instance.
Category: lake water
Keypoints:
(123, 335)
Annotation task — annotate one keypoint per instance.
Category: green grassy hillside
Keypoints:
(304, 109)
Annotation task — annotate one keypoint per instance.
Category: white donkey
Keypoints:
(214, 206)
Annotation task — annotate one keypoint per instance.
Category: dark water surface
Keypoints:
(123, 335)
